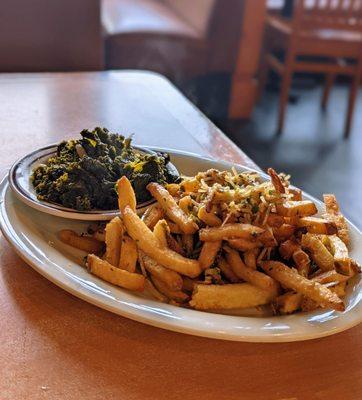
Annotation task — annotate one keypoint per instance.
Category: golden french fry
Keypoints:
(223, 197)
(291, 249)
(340, 255)
(284, 232)
(85, 243)
(318, 251)
(173, 188)
(171, 278)
(160, 231)
(147, 242)
(209, 218)
(308, 304)
(150, 287)
(339, 289)
(329, 277)
(176, 295)
(229, 296)
(173, 211)
(152, 215)
(302, 262)
(114, 234)
(126, 194)
(288, 302)
(142, 264)
(174, 228)
(250, 258)
(190, 185)
(129, 254)
(274, 220)
(267, 238)
(186, 205)
(257, 278)
(228, 231)
(291, 208)
(276, 181)
(114, 275)
(355, 267)
(163, 234)
(208, 254)
(336, 288)
(227, 270)
(233, 231)
(291, 279)
(331, 204)
(333, 214)
(317, 225)
(244, 245)
(297, 194)
(291, 220)
(287, 248)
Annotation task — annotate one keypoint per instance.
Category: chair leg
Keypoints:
(330, 78)
(264, 68)
(284, 93)
(351, 104)
(263, 76)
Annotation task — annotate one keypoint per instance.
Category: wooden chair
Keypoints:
(323, 36)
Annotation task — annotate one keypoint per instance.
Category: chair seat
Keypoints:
(122, 17)
(316, 42)
(283, 25)
(334, 35)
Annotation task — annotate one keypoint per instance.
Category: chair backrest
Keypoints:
(328, 14)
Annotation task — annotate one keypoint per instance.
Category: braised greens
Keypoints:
(84, 172)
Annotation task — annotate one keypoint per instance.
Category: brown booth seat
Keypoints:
(57, 35)
(177, 38)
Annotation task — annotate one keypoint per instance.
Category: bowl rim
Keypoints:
(58, 209)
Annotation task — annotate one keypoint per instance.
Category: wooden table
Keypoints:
(55, 346)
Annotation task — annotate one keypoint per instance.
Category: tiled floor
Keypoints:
(311, 148)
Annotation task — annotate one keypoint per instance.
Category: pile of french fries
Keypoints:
(225, 241)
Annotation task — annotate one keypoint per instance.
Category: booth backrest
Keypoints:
(196, 13)
(50, 35)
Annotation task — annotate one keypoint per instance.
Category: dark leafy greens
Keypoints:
(84, 172)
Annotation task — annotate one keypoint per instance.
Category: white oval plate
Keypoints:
(33, 235)
(19, 180)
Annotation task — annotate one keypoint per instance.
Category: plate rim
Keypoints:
(29, 258)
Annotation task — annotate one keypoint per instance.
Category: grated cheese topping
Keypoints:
(234, 197)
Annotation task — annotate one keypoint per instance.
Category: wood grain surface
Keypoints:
(55, 346)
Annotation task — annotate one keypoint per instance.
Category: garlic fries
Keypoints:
(226, 240)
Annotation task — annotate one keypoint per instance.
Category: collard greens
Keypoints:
(84, 172)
